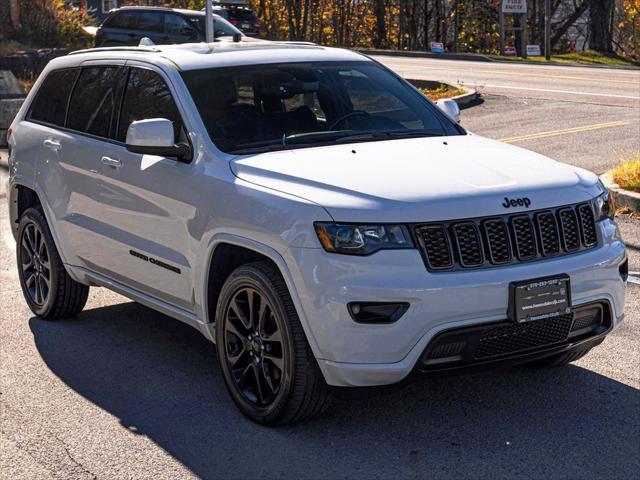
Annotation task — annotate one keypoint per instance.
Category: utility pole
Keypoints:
(547, 29)
(502, 31)
(208, 21)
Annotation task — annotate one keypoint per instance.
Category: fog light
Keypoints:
(377, 312)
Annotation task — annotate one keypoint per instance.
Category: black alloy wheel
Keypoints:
(266, 362)
(35, 266)
(253, 346)
(47, 287)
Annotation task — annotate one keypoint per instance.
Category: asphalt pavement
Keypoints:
(125, 392)
(607, 86)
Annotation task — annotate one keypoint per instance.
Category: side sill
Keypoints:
(93, 278)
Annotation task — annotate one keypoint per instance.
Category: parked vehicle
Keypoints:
(311, 213)
(128, 25)
(240, 16)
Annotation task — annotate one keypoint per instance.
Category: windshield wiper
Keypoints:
(334, 137)
(297, 139)
(414, 133)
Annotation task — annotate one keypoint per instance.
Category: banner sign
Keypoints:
(534, 51)
(514, 6)
(437, 47)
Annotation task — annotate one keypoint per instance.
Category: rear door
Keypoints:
(78, 183)
(48, 144)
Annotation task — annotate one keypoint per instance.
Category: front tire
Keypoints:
(47, 287)
(266, 363)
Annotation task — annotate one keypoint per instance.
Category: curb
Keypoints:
(622, 197)
(479, 57)
(464, 100)
(467, 99)
(472, 57)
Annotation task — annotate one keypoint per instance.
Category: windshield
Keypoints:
(221, 28)
(272, 107)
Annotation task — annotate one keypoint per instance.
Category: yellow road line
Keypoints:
(563, 131)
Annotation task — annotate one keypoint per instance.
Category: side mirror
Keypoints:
(154, 136)
(450, 107)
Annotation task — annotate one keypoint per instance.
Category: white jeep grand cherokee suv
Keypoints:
(311, 213)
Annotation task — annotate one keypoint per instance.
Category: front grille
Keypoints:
(587, 225)
(549, 235)
(435, 242)
(569, 230)
(509, 239)
(524, 237)
(447, 350)
(497, 238)
(514, 338)
(505, 340)
(468, 242)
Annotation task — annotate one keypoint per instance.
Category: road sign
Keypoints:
(514, 6)
(437, 47)
(534, 50)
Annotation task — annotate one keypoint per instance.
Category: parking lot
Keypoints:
(125, 392)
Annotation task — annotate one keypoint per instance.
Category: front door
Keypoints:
(149, 201)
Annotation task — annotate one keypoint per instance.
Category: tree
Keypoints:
(14, 10)
(600, 25)
(381, 24)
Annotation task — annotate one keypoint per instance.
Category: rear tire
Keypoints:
(558, 360)
(47, 287)
(266, 362)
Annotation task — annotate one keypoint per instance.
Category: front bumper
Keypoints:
(354, 354)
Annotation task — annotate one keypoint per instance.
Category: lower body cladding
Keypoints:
(453, 319)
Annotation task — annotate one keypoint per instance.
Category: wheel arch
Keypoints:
(21, 197)
(23, 194)
(227, 253)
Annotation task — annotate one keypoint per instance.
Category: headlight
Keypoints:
(604, 206)
(362, 239)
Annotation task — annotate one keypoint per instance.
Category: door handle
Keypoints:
(112, 162)
(52, 144)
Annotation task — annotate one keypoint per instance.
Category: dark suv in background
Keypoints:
(126, 26)
(240, 17)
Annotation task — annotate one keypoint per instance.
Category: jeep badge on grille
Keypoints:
(516, 202)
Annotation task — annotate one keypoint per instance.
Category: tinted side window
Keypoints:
(121, 20)
(147, 96)
(176, 25)
(50, 105)
(94, 102)
(150, 21)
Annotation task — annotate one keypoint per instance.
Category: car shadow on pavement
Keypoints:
(161, 379)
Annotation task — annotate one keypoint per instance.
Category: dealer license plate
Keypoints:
(539, 299)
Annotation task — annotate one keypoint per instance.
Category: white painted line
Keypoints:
(570, 92)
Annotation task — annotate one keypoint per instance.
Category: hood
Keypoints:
(419, 179)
